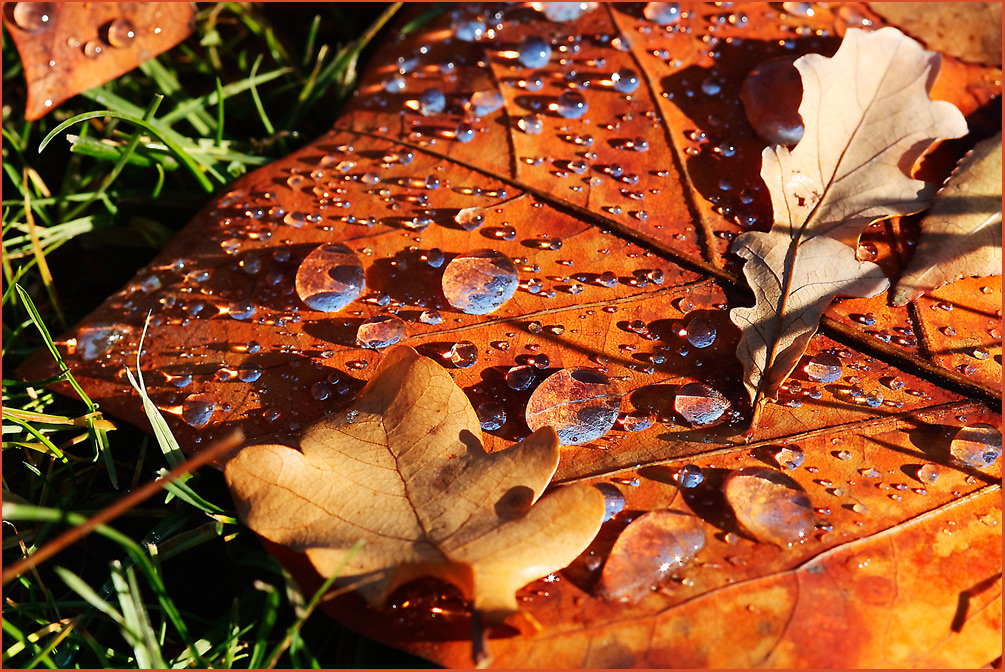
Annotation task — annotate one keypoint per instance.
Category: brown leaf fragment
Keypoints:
(970, 31)
(403, 469)
(69, 47)
(867, 117)
(961, 235)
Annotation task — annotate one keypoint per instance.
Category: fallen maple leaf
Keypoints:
(961, 235)
(403, 469)
(69, 47)
(867, 117)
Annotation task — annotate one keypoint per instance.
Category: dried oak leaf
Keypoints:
(69, 47)
(970, 31)
(403, 469)
(867, 117)
(961, 235)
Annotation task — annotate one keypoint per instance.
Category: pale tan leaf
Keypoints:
(961, 235)
(967, 30)
(404, 470)
(867, 117)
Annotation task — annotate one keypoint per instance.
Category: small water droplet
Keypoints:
(520, 377)
(480, 281)
(463, 354)
(790, 456)
(93, 49)
(625, 80)
(470, 218)
(97, 340)
(381, 331)
(197, 409)
(769, 505)
(699, 404)
(700, 332)
(978, 445)
(689, 476)
(580, 404)
(430, 102)
(320, 391)
(330, 278)
(571, 105)
(530, 124)
(929, 473)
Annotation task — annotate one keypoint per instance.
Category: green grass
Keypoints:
(175, 581)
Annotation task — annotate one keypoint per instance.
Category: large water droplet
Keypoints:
(330, 278)
(769, 505)
(978, 445)
(491, 416)
(823, 368)
(534, 52)
(561, 12)
(700, 332)
(699, 404)
(614, 501)
(121, 32)
(479, 281)
(197, 409)
(32, 17)
(580, 404)
(771, 94)
(649, 552)
(381, 331)
(662, 13)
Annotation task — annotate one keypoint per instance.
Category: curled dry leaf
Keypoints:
(962, 234)
(69, 47)
(867, 117)
(403, 469)
(967, 30)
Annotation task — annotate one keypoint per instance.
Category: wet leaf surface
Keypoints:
(618, 222)
(69, 47)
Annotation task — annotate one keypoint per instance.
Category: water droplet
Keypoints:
(649, 552)
(480, 281)
(97, 340)
(463, 354)
(771, 94)
(769, 505)
(485, 102)
(330, 278)
(699, 404)
(32, 17)
(803, 10)
(430, 316)
(580, 404)
(571, 105)
(790, 456)
(614, 501)
(470, 31)
(700, 332)
(823, 368)
(121, 32)
(636, 422)
(470, 218)
(249, 372)
(662, 13)
(197, 409)
(929, 473)
(978, 445)
(381, 331)
(520, 377)
(625, 80)
(534, 52)
(431, 101)
(530, 124)
(320, 391)
(874, 399)
(689, 476)
(93, 49)
(561, 12)
(491, 416)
